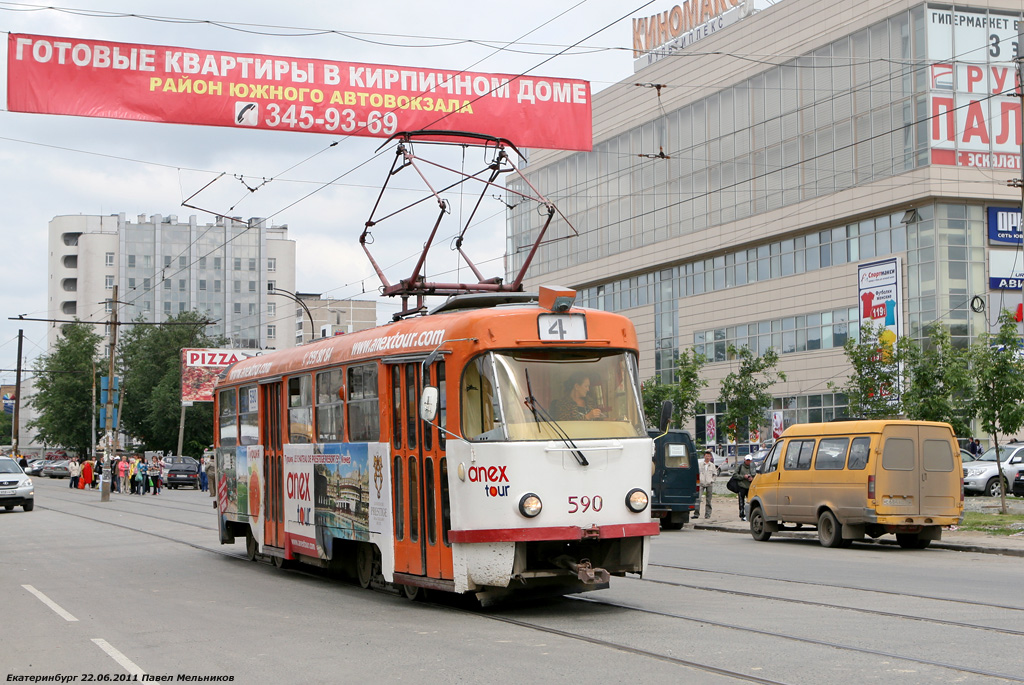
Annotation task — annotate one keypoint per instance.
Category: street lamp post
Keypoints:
(274, 290)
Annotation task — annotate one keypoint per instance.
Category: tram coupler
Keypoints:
(584, 570)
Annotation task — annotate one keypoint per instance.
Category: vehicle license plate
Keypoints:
(894, 501)
(7, 492)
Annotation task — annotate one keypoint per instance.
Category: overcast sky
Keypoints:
(55, 165)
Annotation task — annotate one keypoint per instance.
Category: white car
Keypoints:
(982, 476)
(15, 486)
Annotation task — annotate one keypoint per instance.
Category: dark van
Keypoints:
(675, 491)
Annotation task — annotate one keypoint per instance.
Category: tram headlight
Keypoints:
(637, 500)
(530, 505)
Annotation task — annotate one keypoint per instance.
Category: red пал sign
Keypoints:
(50, 75)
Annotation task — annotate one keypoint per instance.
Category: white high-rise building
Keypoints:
(164, 267)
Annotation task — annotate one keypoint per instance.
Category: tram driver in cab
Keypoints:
(578, 403)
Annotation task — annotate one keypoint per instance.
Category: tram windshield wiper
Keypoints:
(538, 411)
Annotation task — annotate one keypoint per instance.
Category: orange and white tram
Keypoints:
(325, 454)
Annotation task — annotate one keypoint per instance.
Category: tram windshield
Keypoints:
(588, 393)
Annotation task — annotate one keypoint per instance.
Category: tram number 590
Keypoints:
(584, 503)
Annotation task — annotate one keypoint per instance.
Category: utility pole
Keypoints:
(105, 481)
(17, 400)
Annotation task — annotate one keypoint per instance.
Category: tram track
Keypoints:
(841, 607)
(803, 640)
(94, 505)
(625, 607)
(893, 593)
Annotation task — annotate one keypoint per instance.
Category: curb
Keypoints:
(938, 544)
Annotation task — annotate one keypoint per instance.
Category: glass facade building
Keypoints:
(731, 195)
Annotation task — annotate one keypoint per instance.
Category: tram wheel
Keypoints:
(251, 546)
(281, 562)
(413, 593)
(364, 564)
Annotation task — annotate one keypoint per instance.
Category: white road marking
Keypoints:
(126, 663)
(50, 603)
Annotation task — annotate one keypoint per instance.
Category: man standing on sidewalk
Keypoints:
(708, 471)
(745, 473)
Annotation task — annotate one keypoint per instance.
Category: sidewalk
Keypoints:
(959, 540)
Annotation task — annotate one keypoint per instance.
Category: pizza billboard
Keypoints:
(200, 368)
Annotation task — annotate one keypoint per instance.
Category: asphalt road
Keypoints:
(139, 587)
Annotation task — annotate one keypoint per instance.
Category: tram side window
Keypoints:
(479, 402)
(248, 415)
(330, 406)
(442, 405)
(228, 419)
(396, 407)
(300, 409)
(363, 404)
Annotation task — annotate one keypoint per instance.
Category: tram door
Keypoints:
(273, 475)
(416, 471)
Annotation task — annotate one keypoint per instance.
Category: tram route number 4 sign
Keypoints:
(562, 327)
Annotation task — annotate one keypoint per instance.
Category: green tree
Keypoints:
(746, 392)
(149, 359)
(64, 387)
(873, 387)
(684, 392)
(998, 367)
(939, 385)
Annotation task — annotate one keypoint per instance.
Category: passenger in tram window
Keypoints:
(578, 404)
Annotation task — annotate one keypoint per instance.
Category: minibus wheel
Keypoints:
(758, 526)
(830, 531)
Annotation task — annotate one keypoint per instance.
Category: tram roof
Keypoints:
(510, 324)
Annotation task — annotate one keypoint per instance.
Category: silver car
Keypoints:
(56, 469)
(982, 474)
(15, 486)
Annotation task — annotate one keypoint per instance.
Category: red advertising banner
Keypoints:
(199, 370)
(50, 75)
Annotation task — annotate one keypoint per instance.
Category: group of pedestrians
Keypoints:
(743, 474)
(128, 475)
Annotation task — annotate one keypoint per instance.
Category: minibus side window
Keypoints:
(831, 454)
(771, 462)
(798, 454)
(859, 452)
(898, 455)
(937, 456)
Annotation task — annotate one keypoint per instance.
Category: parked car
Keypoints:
(15, 486)
(180, 471)
(35, 467)
(1018, 484)
(982, 474)
(56, 469)
(966, 456)
(1012, 467)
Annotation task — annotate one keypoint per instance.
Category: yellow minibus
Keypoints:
(861, 477)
